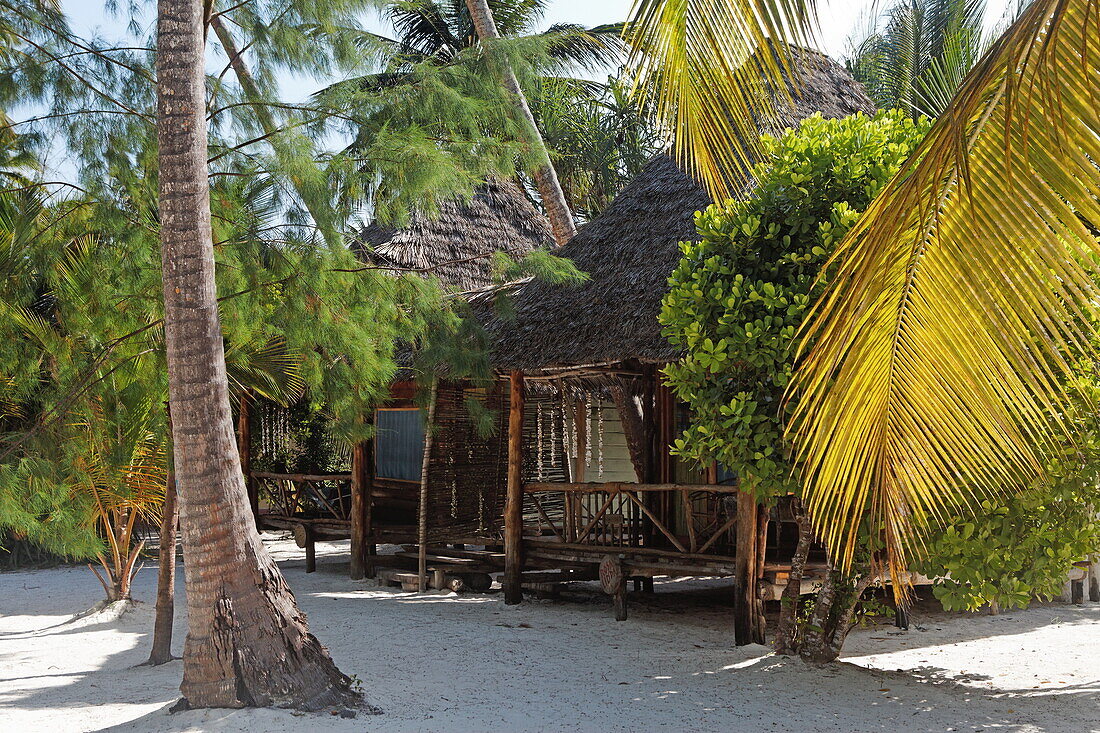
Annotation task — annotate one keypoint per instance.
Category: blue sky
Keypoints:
(838, 20)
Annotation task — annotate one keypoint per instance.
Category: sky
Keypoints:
(839, 19)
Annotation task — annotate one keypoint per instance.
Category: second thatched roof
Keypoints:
(456, 246)
(630, 251)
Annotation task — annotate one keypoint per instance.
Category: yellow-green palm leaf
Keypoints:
(716, 71)
(934, 370)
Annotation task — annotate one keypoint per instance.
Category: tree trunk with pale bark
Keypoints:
(247, 643)
(546, 178)
(834, 612)
(787, 633)
(166, 577)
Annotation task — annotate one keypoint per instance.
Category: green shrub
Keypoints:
(740, 294)
(1010, 551)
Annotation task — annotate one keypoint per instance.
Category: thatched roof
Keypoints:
(630, 251)
(455, 246)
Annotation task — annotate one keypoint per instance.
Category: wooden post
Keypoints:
(613, 580)
(422, 514)
(311, 549)
(573, 503)
(746, 626)
(580, 426)
(649, 464)
(513, 505)
(763, 518)
(371, 547)
(361, 530)
(244, 447)
(619, 600)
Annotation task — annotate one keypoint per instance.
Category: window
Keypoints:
(399, 444)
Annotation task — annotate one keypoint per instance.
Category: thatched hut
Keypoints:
(457, 244)
(585, 360)
(380, 500)
(629, 253)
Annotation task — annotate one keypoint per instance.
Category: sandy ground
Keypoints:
(469, 663)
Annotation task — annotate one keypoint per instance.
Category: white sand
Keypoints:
(469, 663)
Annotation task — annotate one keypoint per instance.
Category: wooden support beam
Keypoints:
(361, 500)
(367, 480)
(746, 622)
(613, 580)
(513, 505)
(665, 415)
(689, 520)
(244, 448)
(651, 502)
(629, 552)
(422, 518)
(622, 487)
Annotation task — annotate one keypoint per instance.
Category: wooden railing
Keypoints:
(619, 514)
(295, 495)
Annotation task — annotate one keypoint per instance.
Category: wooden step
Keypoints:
(556, 576)
(450, 578)
(405, 580)
(484, 555)
(410, 561)
(440, 559)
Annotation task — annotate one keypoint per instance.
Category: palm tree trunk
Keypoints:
(247, 642)
(546, 178)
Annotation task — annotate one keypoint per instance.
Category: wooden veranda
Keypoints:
(409, 485)
(658, 525)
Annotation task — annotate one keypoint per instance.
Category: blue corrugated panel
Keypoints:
(399, 445)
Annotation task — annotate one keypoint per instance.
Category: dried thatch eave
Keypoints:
(629, 253)
(456, 246)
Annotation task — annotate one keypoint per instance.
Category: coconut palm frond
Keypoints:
(918, 57)
(716, 72)
(271, 370)
(935, 364)
(943, 76)
(585, 48)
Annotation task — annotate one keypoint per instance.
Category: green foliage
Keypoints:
(433, 86)
(1014, 549)
(599, 135)
(82, 385)
(919, 56)
(740, 294)
(83, 435)
(1021, 545)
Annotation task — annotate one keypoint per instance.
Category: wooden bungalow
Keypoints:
(383, 498)
(591, 483)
